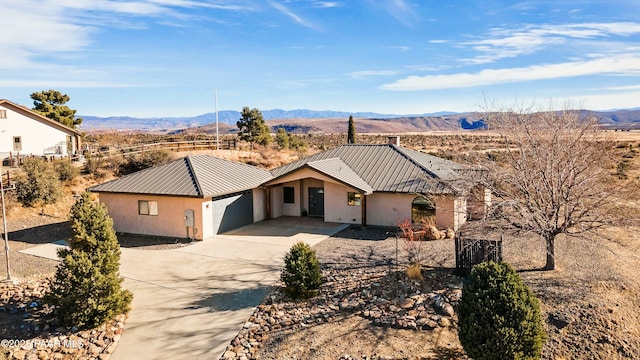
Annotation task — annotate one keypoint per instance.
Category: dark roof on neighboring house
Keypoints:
(200, 176)
(36, 116)
(388, 168)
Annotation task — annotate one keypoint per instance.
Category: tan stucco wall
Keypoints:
(336, 207)
(276, 201)
(207, 219)
(123, 208)
(478, 202)
(259, 207)
(35, 135)
(389, 209)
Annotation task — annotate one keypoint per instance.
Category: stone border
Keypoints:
(385, 297)
(38, 334)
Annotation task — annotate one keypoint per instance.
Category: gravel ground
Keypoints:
(366, 252)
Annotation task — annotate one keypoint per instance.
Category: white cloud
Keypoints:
(369, 73)
(624, 64)
(283, 9)
(327, 4)
(398, 9)
(508, 43)
(60, 27)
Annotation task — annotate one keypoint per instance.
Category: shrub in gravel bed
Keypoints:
(499, 317)
(301, 274)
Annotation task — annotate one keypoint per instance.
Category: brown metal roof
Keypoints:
(194, 176)
(391, 168)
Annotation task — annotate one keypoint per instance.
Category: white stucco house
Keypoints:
(201, 196)
(25, 132)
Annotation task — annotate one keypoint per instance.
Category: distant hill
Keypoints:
(305, 121)
(92, 123)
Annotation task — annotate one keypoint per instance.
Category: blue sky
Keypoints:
(166, 57)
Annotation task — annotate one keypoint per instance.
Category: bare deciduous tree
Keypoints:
(554, 176)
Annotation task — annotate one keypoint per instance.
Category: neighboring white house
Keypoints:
(25, 132)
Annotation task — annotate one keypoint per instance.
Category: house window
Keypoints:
(353, 198)
(17, 143)
(423, 209)
(147, 207)
(3, 114)
(289, 195)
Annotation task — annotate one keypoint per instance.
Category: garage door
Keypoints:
(232, 211)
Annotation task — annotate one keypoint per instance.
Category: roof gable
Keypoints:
(193, 176)
(390, 168)
(37, 117)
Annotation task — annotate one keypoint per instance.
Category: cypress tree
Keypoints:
(87, 288)
(351, 134)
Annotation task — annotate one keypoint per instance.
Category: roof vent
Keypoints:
(394, 140)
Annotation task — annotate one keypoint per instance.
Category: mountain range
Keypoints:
(329, 121)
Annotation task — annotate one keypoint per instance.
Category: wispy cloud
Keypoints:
(398, 9)
(286, 11)
(369, 73)
(327, 4)
(621, 65)
(72, 24)
(508, 43)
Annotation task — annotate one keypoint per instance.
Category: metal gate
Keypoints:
(470, 252)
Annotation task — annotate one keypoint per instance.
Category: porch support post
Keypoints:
(268, 201)
(363, 209)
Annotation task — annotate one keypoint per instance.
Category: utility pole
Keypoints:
(217, 134)
(4, 223)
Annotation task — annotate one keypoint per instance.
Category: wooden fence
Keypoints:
(470, 252)
(192, 145)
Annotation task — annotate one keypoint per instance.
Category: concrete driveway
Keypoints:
(190, 302)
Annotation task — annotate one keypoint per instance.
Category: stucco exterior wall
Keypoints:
(259, 205)
(207, 219)
(478, 202)
(276, 201)
(336, 206)
(291, 209)
(123, 208)
(388, 209)
(36, 137)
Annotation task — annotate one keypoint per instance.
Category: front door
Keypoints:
(316, 202)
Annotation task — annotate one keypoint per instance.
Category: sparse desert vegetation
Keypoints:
(589, 303)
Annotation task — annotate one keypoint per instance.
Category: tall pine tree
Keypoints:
(351, 134)
(252, 128)
(51, 103)
(87, 288)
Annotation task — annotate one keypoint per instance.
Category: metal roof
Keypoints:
(193, 176)
(340, 171)
(391, 168)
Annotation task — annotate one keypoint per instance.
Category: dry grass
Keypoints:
(414, 272)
